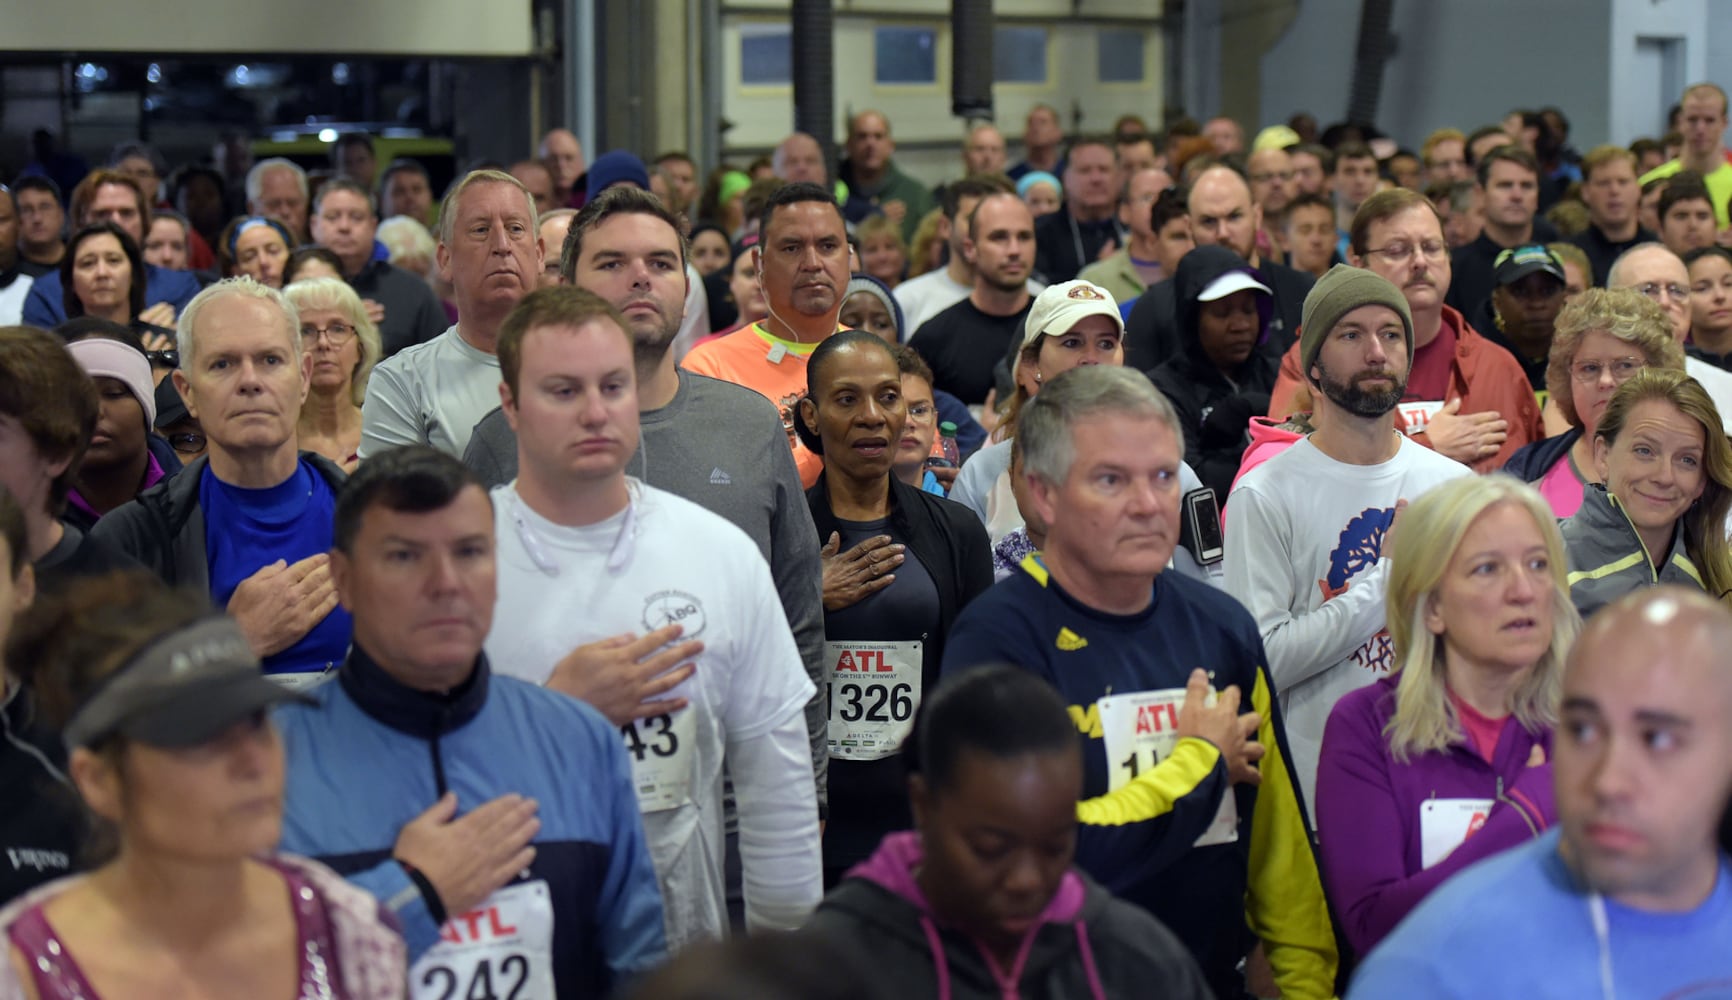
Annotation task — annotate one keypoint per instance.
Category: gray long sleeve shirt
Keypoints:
(702, 446)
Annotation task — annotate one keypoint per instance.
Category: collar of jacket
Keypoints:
(903, 502)
(420, 714)
(17, 710)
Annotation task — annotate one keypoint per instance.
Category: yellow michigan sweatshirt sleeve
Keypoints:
(1155, 792)
(1285, 905)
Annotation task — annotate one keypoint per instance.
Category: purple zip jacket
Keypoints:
(1368, 810)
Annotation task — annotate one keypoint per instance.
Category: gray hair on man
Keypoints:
(448, 207)
(1044, 428)
(242, 286)
(256, 176)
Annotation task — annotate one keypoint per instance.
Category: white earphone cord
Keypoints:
(1603, 936)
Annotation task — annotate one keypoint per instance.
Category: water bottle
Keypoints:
(947, 444)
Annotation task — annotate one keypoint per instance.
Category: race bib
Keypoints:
(1416, 416)
(1141, 730)
(502, 949)
(1445, 824)
(662, 749)
(874, 691)
(301, 681)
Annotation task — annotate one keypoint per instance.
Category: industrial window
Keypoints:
(1119, 55)
(766, 55)
(905, 56)
(1019, 55)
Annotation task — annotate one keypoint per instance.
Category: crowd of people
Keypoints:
(1170, 564)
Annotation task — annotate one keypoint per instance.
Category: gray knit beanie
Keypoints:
(1339, 292)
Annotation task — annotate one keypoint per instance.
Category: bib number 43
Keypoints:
(652, 736)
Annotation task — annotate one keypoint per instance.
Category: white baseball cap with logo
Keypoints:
(1060, 307)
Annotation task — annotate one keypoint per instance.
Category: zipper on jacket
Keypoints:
(1647, 557)
(433, 747)
(1523, 813)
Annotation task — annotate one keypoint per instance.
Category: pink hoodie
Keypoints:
(1268, 439)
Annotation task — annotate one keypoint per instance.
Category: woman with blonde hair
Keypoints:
(1660, 516)
(1070, 324)
(344, 344)
(1447, 761)
(926, 249)
(1601, 339)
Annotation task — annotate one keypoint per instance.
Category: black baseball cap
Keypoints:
(1516, 263)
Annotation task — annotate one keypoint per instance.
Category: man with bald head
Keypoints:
(1136, 266)
(875, 186)
(1223, 212)
(800, 159)
(1660, 274)
(1630, 894)
(563, 155)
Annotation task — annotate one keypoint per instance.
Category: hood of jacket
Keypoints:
(1269, 437)
(1197, 270)
(902, 909)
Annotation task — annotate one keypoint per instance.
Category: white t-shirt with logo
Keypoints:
(1303, 542)
(665, 560)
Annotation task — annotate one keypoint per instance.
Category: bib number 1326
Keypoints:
(873, 691)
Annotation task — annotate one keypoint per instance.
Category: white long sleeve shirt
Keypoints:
(663, 560)
(1304, 554)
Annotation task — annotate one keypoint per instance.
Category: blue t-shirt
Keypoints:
(246, 530)
(1517, 925)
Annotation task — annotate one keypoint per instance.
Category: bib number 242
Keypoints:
(487, 980)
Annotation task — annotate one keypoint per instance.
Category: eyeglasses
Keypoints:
(920, 411)
(1284, 176)
(337, 333)
(1589, 372)
(188, 443)
(163, 359)
(1659, 293)
(1434, 250)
